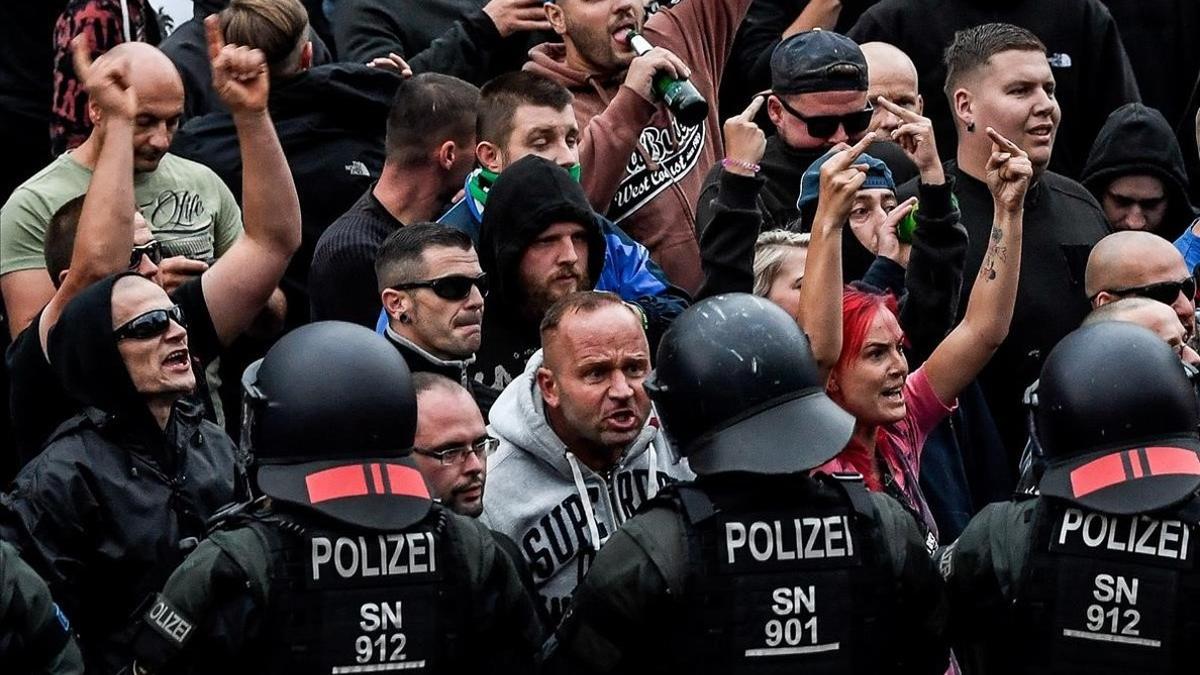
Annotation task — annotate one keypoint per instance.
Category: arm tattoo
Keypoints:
(995, 253)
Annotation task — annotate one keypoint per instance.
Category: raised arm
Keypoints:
(727, 241)
(960, 357)
(240, 282)
(104, 235)
(939, 244)
(821, 295)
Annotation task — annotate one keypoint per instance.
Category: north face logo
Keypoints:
(674, 152)
(357, 168)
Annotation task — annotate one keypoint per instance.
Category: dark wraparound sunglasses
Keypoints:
(1166, 292)
(151, 250)
(151, 324)
(824, 126)
(453, 287)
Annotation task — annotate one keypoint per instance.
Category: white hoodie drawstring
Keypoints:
(652, 455)
(589, 513)
(125, 19)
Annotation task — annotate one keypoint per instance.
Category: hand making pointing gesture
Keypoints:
(1008, 172)
(745, 143)
(239, 74)
(915, 137)
(106, 80)
(840, 180)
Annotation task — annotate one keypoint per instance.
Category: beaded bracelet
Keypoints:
(727, 162)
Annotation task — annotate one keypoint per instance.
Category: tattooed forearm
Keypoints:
(996, 253)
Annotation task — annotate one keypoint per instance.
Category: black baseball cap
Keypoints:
(818, 60)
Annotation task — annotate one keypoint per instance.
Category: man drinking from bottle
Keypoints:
(641, 165)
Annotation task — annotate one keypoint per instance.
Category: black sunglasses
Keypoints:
(151, 249)
(151, 324)
(1166, 292)
(453, 287)
(824, 126)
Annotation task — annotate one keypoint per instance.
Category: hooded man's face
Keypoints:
(159, 365)
(1135, 202)
(554, 265)
(594, 31)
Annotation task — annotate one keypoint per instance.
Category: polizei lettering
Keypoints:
(811, 538)
(364, 556)
(1082, 531)
(171, 624)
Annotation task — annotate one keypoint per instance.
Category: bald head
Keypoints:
(1150, 314)
(1131, 263)
(893, 75)
(160, 101)
(149, 67)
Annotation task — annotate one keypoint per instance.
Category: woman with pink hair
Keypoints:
(857, 339)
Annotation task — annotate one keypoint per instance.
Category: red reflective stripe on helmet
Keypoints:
(1098, 474)
(377, 479)
(1135, 463)
(406, 480)
(1168, 461)
(335, 483)
(1111, 470)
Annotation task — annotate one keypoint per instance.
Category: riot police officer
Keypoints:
(755, 567)
(1098, 573)
(35, 636)
(344, 564)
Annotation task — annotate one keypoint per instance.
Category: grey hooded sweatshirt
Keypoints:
(535, 485)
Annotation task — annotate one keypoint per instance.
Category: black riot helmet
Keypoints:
(328, 418)
(737, 389)
(1115, 415)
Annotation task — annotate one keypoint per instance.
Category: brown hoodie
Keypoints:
(639, 165)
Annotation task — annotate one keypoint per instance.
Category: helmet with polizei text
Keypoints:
(1115, 415)
(328, 419)
(737, 389)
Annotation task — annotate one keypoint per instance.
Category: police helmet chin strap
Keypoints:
(1030, 400)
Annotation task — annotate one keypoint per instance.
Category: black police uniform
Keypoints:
(755, 567)
(344, 564)
(279, 591)
(35, 636)
(1097, 574)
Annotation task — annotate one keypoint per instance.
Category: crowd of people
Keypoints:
(449, 336)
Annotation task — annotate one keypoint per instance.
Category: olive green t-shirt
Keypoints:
(185, 204)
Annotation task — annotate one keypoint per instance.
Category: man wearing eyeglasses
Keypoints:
(1142, 265)
(452, 445)
(433, 293)
(818, 99)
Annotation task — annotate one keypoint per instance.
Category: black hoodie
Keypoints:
(113, 503)
(330, 121)
(529, 196)
(1139, 140)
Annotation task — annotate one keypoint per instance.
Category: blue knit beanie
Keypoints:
(879, 176)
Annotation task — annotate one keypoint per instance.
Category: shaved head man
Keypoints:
(185, 204)
(1140, 264)
(891, 74)
(160, 102)
(1152, 315)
